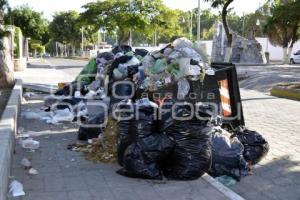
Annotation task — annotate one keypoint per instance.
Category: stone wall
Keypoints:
(243, 50)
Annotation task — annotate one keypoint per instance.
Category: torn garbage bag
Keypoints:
(191, 157)
(255, 146)
(227, 156)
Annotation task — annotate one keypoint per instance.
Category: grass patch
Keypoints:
(287, 90)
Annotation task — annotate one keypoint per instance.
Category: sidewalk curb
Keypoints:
(221, 188)
(8, 130)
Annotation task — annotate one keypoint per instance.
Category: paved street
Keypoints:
(66, 175)
(263, 78)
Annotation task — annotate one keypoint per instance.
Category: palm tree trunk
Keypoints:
(227, 31)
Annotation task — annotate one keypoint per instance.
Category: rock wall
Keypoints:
(243, 50)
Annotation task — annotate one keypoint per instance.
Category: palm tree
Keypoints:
(6, 75)
(225, 4)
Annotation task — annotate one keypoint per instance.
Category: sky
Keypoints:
(49, 7)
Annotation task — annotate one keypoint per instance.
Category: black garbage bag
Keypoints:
(191, 156)
(70, 89)
(116, 62)
(132, 70)
(125, 133)
(227, 154)
(165, 113)
(255, 146)
(141, 52)
(123, 90)
(122, 49)
(106, 55)
(92, 129)
(132, 127)
(142, 158)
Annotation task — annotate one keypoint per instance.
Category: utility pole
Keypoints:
(198, 27)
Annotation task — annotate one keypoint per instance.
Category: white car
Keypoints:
(295, 58)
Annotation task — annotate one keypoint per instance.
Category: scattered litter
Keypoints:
(30, 144)
(16, 189)
(33, 171)
(26, 163)
(98, 151)
(226, 180)
(20, 130)
(28, 94)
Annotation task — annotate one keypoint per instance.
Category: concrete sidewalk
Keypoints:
(277, 177)
(66, 175)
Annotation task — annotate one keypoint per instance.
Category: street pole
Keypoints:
(191, 26)
(82, 40)
(244, 24)
(155, 37)
(99, 37)
(130, 31)
(198, 27)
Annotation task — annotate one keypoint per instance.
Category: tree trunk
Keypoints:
(285, 55)
(73, 50)
(123, 37)
(6, 75)
(227, 31)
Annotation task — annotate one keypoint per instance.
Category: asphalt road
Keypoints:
(69, 66)
(263, 78)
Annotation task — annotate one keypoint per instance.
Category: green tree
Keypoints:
(207, 21)
(123, 16)
(225, 9)
(32, 23)
(282, 27)
(65, 29)
(6, 74)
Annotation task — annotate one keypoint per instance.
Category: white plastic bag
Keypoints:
(182, 42)
(33, 171)
(25, 162)
(64, 115)
(187, 69)
(30, 144)
(183, 88)
(16, 189)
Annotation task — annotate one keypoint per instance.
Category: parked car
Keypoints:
(295, 58)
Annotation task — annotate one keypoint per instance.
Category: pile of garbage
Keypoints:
(144, 122)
